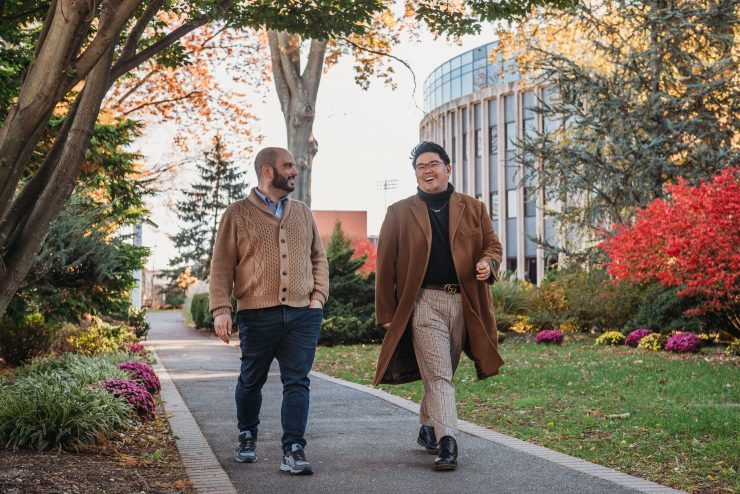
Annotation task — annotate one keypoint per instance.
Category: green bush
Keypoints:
(137, 320)
(43, 411)
(348, 330)
(512, 297)
(98, 337)
(662, 310)
(199, 310)
(589, 299)
(23, 337)
(82, 369)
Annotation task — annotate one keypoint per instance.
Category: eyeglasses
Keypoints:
(420, 167)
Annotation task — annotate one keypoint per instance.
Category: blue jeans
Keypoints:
(290, 335)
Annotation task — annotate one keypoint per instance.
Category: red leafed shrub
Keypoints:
(365, 246)
(691, 240)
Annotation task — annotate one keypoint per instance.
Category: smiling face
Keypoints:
(432, 174)
(283, 172)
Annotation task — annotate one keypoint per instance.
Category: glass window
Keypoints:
(530, 202)
(467, 83)
(455, 63)
(478, 143)
(493, 205)
(511, 203)
(467, 57)
(456, 89)
(493, 140)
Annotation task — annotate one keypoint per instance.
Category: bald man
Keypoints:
(269, 256)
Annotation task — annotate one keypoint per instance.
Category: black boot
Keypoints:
(447, 457)
(427, 439)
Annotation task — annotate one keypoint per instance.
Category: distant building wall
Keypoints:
(354, 223)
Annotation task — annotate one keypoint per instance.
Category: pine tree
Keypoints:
(220, 183)
(349, 313)
(638, 94)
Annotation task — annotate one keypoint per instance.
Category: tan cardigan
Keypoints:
(267, 262)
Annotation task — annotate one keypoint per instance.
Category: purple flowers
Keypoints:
(549, 336)
(143, 374)
(134, 393)
(136, 348)
(635, 336)
(683, 343)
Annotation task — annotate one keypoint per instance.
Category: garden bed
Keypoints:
(142, 459)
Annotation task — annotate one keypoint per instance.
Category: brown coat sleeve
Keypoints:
(491, 244)
(386, 298)
(223, 264)
(320, 265)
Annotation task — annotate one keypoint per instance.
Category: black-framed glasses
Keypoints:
(420, 167)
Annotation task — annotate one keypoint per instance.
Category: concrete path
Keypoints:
(360, 440)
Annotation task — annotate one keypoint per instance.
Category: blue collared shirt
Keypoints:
(276, 207)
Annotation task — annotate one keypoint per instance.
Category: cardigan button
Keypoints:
(285, 256)
(285, 273)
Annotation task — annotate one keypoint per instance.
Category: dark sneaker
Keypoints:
(294, 461)
(245, 450)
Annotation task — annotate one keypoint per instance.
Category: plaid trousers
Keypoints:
(438, 335)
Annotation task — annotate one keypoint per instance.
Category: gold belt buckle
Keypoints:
(449, 288)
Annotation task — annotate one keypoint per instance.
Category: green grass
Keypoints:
(667, 418)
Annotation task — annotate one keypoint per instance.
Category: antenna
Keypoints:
(386, 185)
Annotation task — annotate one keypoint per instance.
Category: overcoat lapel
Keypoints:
(419, 210)
(457, 207)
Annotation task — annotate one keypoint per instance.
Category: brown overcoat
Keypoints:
(403, 254)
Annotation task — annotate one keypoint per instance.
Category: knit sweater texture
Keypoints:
(266, 262)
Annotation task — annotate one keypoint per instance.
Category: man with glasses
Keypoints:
(437, 254)
(269, 255)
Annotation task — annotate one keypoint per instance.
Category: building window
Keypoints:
(511, 264)
(478, 143)
(530, 269)
(511, 203)
(530, 202)
(493, 205)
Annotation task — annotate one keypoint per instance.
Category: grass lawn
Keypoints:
(672, 419)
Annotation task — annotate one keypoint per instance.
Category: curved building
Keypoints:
(477, 110)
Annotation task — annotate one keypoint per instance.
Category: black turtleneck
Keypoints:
(441, 268)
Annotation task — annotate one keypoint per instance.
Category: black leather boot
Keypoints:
(447, 456)
(427, 439)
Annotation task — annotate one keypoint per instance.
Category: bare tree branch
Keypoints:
(159, 102)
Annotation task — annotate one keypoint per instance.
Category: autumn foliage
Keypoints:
(691, 240)
(363, 246)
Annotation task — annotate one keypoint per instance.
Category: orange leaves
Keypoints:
(197, 85)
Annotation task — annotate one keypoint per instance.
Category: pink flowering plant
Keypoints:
(549, 336)
(132, 393)
(143, 374)
(635, 336)
(136, 348)
(683, 343)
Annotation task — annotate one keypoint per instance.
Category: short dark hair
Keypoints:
(429, 147)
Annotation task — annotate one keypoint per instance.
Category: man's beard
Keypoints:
(280, 182)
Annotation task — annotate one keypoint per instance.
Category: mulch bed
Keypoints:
(143, 459)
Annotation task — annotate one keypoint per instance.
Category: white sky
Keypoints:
(363, 136)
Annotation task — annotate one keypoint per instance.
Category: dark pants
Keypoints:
(290, 335)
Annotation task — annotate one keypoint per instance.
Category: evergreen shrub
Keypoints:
(24, 337)
(199, 310)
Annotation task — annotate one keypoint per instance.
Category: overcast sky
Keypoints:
(364, 137)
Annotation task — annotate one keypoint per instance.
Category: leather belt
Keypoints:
(445, 287)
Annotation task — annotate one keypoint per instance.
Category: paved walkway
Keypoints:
(360, 439)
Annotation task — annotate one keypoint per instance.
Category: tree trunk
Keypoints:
(297, 93)
(25, 246)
